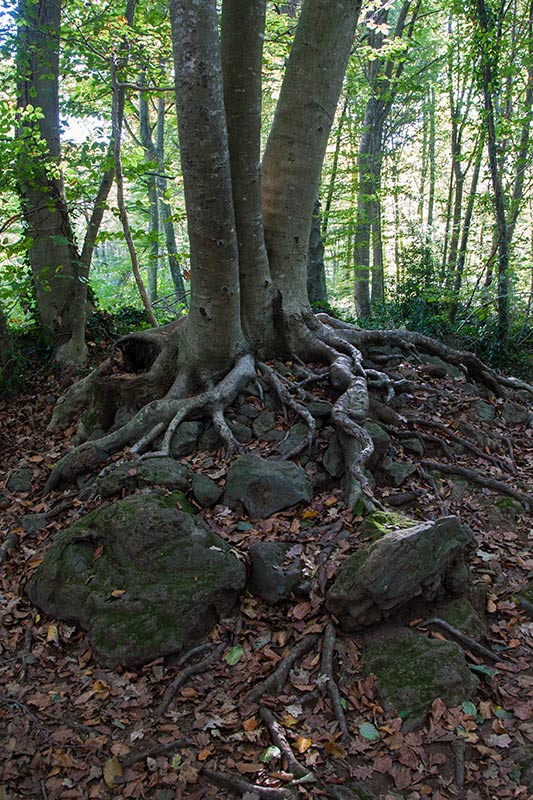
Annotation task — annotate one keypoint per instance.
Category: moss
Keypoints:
(377, 524)
(460, 613)
(413, 671)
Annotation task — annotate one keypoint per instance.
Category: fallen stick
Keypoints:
(277, 679)
(156, 750)
(462, 638)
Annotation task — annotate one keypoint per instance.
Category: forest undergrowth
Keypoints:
(176, 729)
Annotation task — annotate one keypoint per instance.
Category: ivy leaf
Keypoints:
(369, 731)
(234, 655)
(484, 670)
(270, 753)
(469, 708)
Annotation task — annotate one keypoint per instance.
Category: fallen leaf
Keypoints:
(303, 744)
(111, 771)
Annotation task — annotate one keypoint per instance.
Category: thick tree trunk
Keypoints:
(204, 152)
(298, 138)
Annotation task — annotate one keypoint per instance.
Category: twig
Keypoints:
(156, 750)
(474, 477)
(194, 669)
(462, 638)
(459, 750)
(433, 483)
(326, 669)
(31, 715)
(278, 737)
(277, 679)
(238, 785)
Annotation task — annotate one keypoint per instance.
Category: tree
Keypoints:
(249, 233)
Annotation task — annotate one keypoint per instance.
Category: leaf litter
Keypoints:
(74, 729)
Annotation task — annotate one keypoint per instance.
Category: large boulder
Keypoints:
(265, 486)
(412, 671)
(422, 563)
(273, 573)
(142, 577)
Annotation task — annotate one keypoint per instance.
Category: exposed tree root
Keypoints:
(474, 477)
(326, 669)
(280, 740)
(277, 679)
(9, 545)
(183, 677)
(237, 785)
(159, 406)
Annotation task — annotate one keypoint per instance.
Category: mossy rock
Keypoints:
(377, 524)
(421, 563)
(149, 472)
(461, 614)
(412, 671)
(144, 578)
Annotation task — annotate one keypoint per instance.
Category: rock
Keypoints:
(413, 445)
(481, 411)
(382, 442)
(412, 671)
(33, 523)
(333, 458)
(21, 480)
(264, 423)
(205, 491)
(397, 472)
(319, 409)
(297, 435)
(243, 433)
(209, 439)
(248, 410)
(461, 614)
(143, 578)
(422, 563)
(265, 486)
(271, 577)
(133, 475)
(451, 369)
(379, 523)
(523, 757)
(515, 413)
(185, 439)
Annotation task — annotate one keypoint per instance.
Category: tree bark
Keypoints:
(242, 37)
(316, 275)
(205, 161)
(52, 251)
(297, 142)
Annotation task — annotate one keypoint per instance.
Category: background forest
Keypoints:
(424, 214)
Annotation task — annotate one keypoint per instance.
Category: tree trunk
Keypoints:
(52, 251)
(242, 52)
(205, 161)
(150, 154)
(297, 142)
(316, 275)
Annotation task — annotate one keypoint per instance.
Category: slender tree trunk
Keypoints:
(334, 169)
(153, 204)
(488, 78)
(165, 212)
(432, 158)
(316, 275)
(5, 349)
(461, 256)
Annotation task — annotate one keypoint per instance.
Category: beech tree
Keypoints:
(249, 226)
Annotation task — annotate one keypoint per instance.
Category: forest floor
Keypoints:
(75, 729)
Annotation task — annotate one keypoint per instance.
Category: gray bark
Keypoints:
(316, 275)
(296, 146)
(242, 39)
(212, 333)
